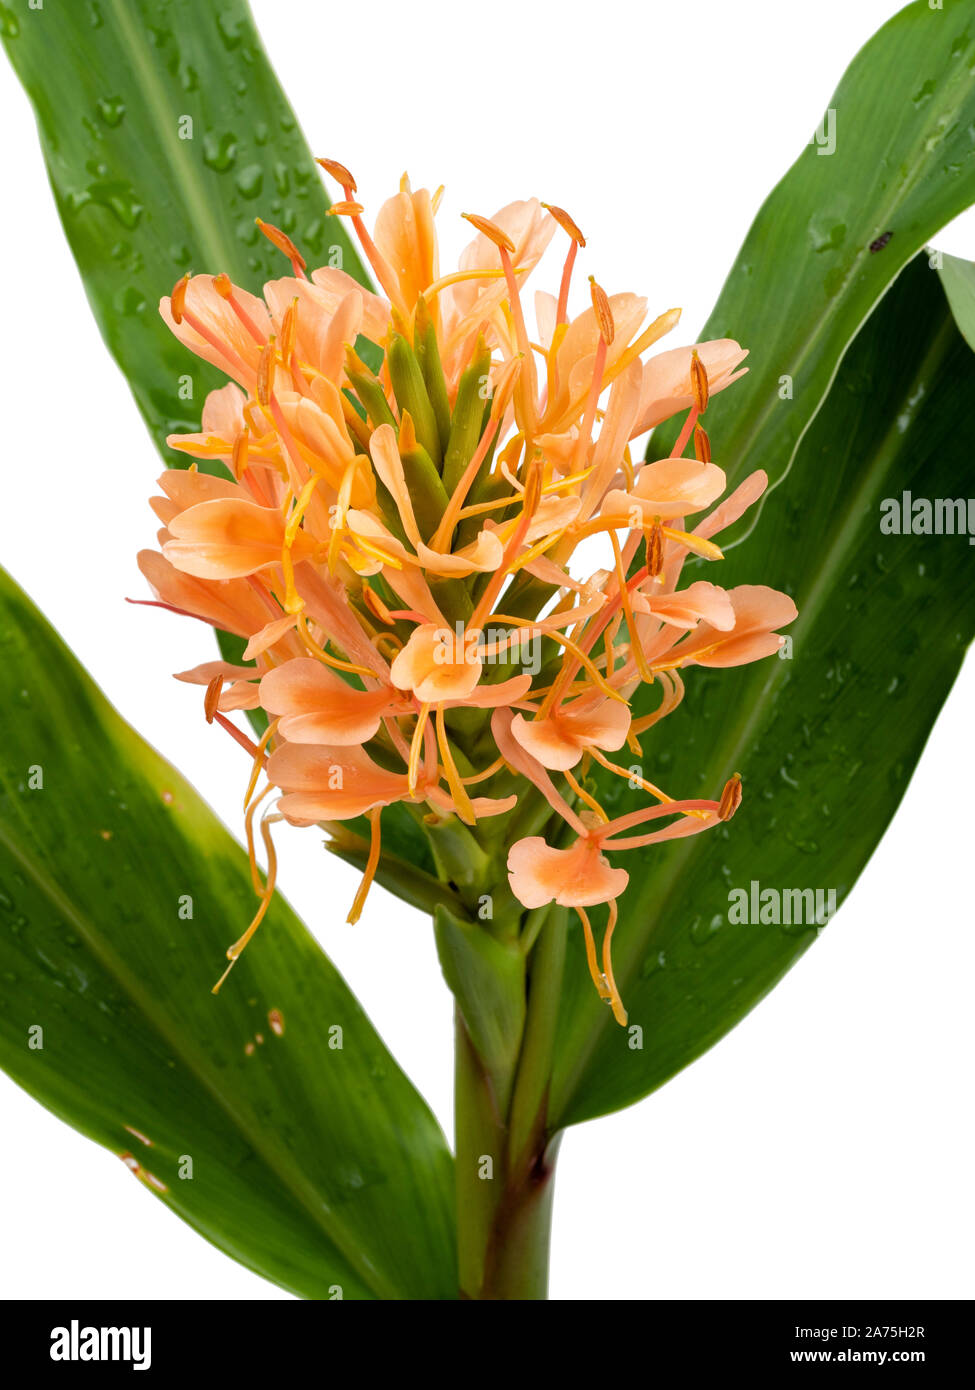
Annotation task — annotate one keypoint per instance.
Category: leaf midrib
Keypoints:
(186, 175)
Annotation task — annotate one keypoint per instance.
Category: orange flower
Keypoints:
(436, 665)
(401, 482)
(559, 741)
(579, 876)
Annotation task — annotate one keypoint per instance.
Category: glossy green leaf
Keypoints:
(958, 278)
(892, 161)
(165, 134)
(141, 205)
(826, 740)
(314, 1162)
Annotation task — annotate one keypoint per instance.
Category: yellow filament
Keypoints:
(415, 747)
(249, 831)
(641, 781)
(322, 655)
(372, 863)
(706, 549)
(459, 276)
(342, 503)
(234, 953)
(496, 766)
(462, 801)
(668, 703)
(616, 1003)
(266, 737)
(371, 548)
(295, 518)
(569, 481)
(391, 638)
(566, 642)
(594, 970)
(293, 602)
(583, 795)
(603, 761)
(539, 548)
(635, 645)
(477, 508)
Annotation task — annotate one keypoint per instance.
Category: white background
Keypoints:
(824, 1148)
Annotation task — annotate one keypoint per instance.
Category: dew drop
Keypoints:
(826, 233)
(9, 23)
(704, 931)
(250, 181)
(114, 195)
(652, 964)
(112, 111)
(220, 151)
(230, 25)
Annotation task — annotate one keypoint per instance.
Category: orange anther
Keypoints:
(699, 382)
(222, 285)
(375, 604)
(533, 486)
(177, 299)
(212, 698)
(264, 369)
(283, 242)
(730, 798)
(238, 461)
(489, 229)
(566, 223)
(655, 549)
(346, 210)
(702, 445)
(338, 172)
(604, 314)
(289, 330)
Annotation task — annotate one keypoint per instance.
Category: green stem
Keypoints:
(528, 1114)
(517, 1258)
(505, 1156)
(479, 1161)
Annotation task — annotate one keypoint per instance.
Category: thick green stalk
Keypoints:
(516, 1267)
(505, 1157)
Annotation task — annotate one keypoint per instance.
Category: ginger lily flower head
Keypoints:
(396, 485)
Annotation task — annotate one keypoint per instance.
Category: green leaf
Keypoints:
(958, 279)
(165, 134)
(893, 160)
(314, 1161)
(826, 741)
(839, 227)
